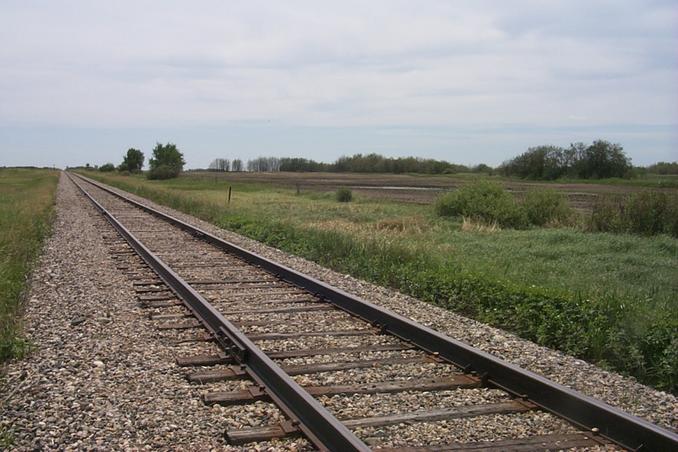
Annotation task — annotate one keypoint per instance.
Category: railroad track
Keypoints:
(278, 337)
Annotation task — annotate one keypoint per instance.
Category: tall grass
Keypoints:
(643, 213)
(486, 201)
(26, 207)
(607, 298)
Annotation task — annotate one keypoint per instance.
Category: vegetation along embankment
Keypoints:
(609, 298)
(26, 210)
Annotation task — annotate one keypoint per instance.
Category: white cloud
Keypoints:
(350, 63)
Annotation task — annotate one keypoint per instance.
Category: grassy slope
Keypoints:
(607, 298)
(26, 206)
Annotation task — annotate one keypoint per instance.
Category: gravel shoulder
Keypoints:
(101, 377)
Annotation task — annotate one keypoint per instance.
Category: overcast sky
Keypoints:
(469, 82)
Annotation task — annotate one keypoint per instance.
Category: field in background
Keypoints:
(608, 298)
(424, 189)
(26, 207)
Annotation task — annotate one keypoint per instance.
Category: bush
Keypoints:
(483, 201)
(606, 214)
(163, 172)
(644, 213)
(546, 206)
(107, 167)
(167, 162)
(344, 195)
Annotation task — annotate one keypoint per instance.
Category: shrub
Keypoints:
(344, 195)
(606, 214)
(107, 167)
(546, 206)
(483, 201)
(163, 172)
(644, 213)
(167, 162)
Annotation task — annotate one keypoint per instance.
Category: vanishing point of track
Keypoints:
(191, 280)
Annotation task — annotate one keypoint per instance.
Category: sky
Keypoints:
(464, 81)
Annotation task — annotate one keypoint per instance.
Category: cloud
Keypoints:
(338, 64)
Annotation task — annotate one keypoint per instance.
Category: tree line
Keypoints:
(358, 163)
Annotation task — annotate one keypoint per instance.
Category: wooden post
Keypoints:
(229, 194)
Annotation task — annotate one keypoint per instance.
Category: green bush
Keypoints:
(167, 162)
(163, 172)
(546, 206)
(108, 167)
(344, 195)
(483, 201)
(643, 213)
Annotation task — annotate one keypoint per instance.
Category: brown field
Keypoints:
(420, 189)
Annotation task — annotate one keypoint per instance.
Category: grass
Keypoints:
(607, 298)
(26, 207)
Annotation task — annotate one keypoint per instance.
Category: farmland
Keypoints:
(608, 298)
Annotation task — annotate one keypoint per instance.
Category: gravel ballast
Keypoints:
(102, 376)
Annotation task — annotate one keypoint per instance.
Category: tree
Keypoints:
(167, 162)
(236, 165)
(604, 159)
(220, 165)
(107, 167)
(133, 161)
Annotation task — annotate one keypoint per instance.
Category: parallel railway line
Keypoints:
(279, 336)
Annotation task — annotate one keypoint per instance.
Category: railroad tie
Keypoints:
(286, 428)
(255, 393)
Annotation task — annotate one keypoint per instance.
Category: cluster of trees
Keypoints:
(599, 160)
(167, 162)
(264, 164)
(663, 168)
(226, 165)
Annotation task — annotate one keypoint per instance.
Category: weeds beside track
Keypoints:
(26, 208)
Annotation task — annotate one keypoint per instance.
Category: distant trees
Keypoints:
(663, 168)
(264, 164)
(297, 164)
(107, 167)
(375, 163)
(133, 161)
(167, 162)
(236, 165)
(220, 165)
(599, 160)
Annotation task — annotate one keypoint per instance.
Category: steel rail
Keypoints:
(588, 413)
(319, 425)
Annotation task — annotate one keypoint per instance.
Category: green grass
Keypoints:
(607, 298)
(26, 207)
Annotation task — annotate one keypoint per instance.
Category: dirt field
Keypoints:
(420, 189)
